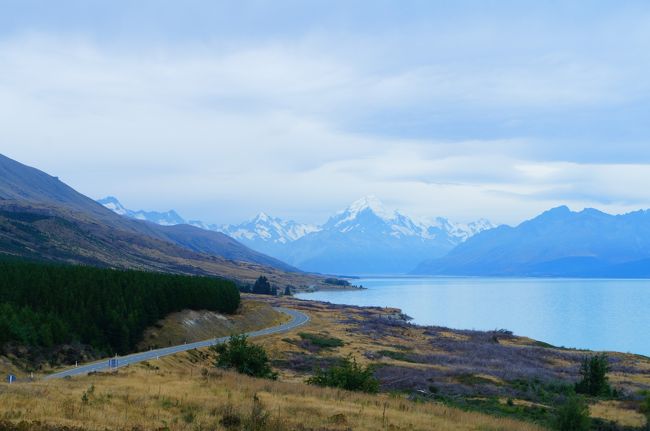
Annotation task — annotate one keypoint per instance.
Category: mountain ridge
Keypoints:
(42, 216)
(558, 242)
(364, 237)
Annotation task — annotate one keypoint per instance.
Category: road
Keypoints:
(297, 319)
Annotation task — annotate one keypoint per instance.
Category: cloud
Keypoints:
(466, 122)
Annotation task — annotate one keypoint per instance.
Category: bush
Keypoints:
(321, 340)
(573, 415)
(594, 381)
(249, 359)
(347, 375)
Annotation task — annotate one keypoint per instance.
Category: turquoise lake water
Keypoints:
(581, 313)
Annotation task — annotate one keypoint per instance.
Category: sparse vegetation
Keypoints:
(593, 372)
(398, 356)
(349, 375)
(245, 358)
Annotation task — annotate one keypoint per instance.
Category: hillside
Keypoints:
(43, 218)
(557, 243)
(22, 186)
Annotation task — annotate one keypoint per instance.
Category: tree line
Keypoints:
(45, 304)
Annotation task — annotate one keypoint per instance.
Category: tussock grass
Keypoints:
(176, 399)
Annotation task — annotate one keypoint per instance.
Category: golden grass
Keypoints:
(184, 398)
(617, 412)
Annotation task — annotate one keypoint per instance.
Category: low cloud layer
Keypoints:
(497, 115)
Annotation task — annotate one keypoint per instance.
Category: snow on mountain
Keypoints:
(268, 229)
(168, 218)
(114, 205)
(365, 237)
(399, 225)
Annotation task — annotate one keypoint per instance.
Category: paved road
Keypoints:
(297, 319)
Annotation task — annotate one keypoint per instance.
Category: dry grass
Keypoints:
(616, 411)
(189, 326)
(175, 397)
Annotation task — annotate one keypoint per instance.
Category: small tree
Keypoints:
(573, 415)
(347, 375)
(262, 286)
(287, 291)
(594, 380)
(249, 359)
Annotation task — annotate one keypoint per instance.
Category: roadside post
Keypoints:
(11, 378)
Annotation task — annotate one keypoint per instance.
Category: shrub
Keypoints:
(246, 358)
(573, 415)
(347, 375)
(594, 380)
(321, 340)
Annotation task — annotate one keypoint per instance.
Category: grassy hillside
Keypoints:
(178, 394)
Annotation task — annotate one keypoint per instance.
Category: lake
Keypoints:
(581, 313)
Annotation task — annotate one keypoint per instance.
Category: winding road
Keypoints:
(297, 319)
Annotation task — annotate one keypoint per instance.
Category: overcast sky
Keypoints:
(219, 110)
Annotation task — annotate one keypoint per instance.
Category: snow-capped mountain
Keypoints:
(269, 229)
(167, 218)
(400, 225)
(364, 238)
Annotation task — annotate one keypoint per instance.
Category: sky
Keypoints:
(219, 110)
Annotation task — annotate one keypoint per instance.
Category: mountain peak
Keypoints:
(372, 203)
(113, 204)
(262, 216)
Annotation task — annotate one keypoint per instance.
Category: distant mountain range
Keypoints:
(43, 218)
(557, 243)
(364, 238)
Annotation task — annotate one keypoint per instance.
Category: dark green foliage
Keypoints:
(246, 358)
(45, 305)
(594, 380)
(347, 375)
(262, 286)
(321, 340)
(336, 282)
(287, 291)
(573, 415)
(493, 406)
